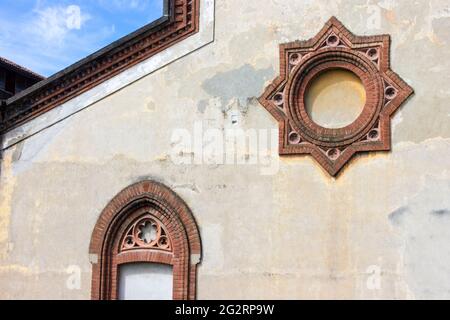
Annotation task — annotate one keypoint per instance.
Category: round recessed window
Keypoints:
(335, 98)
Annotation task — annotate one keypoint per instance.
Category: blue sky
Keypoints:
(49, 35)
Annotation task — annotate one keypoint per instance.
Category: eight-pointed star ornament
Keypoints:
(334, 47)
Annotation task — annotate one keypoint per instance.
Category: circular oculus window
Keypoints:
(335, 98)
(335, 95)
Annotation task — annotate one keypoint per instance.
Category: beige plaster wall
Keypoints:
(380, 230)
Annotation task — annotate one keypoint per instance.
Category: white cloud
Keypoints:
(130, 4)
(53, 24)
(49, 38)
(53, 34)
(74, 17)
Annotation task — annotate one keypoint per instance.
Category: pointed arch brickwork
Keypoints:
(153, 200)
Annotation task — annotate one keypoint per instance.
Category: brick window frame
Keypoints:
(146, 197)
(335, 47)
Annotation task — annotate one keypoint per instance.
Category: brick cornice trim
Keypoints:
(335, 47)
(181, 20)
(123, 209)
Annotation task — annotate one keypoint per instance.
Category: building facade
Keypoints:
(14, 78)
(199, 155)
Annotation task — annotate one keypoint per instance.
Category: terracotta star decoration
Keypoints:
(335, 48)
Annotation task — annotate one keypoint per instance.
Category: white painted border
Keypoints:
(204, 37)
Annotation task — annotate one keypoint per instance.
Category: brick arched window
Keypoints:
(145, 223)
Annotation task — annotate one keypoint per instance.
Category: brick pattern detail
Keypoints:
(139, 234)
(335, 47)
(183, 22)
(130, 205)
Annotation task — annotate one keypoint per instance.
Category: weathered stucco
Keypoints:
(379, 230)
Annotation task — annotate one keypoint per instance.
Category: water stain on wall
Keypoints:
(241, 83)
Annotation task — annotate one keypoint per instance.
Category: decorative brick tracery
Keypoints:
(335, 48)
(145, 222)
(146, 233)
